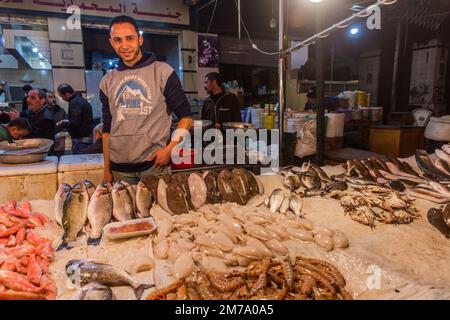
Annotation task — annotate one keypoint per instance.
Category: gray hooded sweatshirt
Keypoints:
(138, 103)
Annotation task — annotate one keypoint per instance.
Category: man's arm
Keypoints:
(107, 120)
(162, 157)
(177, 103)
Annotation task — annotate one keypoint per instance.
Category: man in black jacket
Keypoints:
(38, 115)
(220, 106)
(58, 113)
(80, 121)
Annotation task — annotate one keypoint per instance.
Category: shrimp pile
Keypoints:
(267, 279)
(24, 255)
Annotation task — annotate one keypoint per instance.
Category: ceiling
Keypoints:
(432, 15)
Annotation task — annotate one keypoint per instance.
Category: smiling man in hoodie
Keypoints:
(139, 99)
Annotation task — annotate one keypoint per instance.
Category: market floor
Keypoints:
(388, 262)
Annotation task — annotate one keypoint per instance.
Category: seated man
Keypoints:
(96, 147)
(15, 130)
(38, 115)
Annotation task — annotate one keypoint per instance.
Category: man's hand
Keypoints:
(62, 122)
(13, 115)
(108, 178)
(161, 157)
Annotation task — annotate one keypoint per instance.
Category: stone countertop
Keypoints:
(48, 166)
(80, 162)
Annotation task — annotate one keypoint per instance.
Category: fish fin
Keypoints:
(139, 291)
(94, 242)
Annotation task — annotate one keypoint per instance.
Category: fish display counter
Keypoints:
(29, 181)
(347, 232)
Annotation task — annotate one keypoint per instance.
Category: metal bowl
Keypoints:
(237, 125)
(25, 151)
(26, 146)
(25, 158)
(202, 123)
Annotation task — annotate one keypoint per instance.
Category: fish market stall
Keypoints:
(307, 233)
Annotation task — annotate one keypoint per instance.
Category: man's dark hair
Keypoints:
(21, 124)
(26, 88)
(42, 94)
(124, 19)
(215, 76)
(65, 88)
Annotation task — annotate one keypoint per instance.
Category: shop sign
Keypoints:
(167, 11)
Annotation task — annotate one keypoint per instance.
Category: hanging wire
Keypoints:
(212, 16)
(254, 46)
(340, 25)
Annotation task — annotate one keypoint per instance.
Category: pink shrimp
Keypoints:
(33, 239)
(20, 236)
(17, 282)
(34, 273)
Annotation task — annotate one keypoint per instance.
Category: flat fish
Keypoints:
(241, 185)
(213, 194)
(176, 199)
(198, 190)
(162, 196)
(226, 187)
(151, 182)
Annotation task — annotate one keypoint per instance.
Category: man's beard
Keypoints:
(135, 55)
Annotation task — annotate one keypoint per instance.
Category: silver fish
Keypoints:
(440, 188)
(132, 191)
(123, 209)
(75, 214)
(276, 200)
(292, 181)
(446, 148)
(99, 213)
(311, 180)
(93, 291)
(444, 156)
(442, 166)
(60, 197)
(296, 205)
(90, 187)
(322, 175)
(144, 201)
(85, 272)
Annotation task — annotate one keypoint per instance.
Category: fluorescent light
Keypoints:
(315, 1)
(63, 27)
(35, 50)
(141, 32)
(40, 55)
